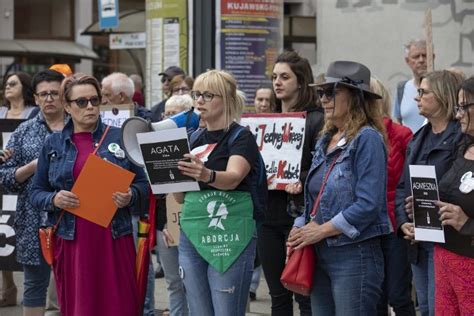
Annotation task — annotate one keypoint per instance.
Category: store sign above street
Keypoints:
(127, 41)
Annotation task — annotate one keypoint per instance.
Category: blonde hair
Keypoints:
(385, 103)
(357, 117)
(445, 85)
(222, 83)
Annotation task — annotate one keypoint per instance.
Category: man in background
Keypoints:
(166, 77)
(405, 108)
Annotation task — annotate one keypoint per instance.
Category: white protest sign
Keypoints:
(280, 139)
(116, 115)
(424, 188)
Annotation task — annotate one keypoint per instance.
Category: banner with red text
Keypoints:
(280, 139)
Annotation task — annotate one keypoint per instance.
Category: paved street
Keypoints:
(259, 307)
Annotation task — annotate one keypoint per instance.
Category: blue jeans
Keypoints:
(149, 305)
(169, 263)
(210, 292)
(348, 279)
(397, 284)
(423, 273)
(35, 283)
(257, 272)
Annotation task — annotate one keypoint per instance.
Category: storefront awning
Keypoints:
(45, 48)
(129, 22)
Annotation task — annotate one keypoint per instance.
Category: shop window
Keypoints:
(44, 19)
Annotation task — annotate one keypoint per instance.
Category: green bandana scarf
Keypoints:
(219, 224)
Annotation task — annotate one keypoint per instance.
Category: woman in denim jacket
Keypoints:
(94, 267)
(352, 213)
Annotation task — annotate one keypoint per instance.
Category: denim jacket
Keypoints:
(55, 173)
(355, 196)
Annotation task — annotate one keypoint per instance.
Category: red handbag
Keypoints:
(46, 237)
(298, 274)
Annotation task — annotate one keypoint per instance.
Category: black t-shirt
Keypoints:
(244, 145)
(449, 192)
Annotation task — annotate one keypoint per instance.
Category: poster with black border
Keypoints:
(424, 189)
(8, 208)
(161, 151)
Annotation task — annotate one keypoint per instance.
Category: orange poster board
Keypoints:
(96, 183)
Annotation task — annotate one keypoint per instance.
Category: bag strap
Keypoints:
(95, 153)
(318, 199)
(101, 140)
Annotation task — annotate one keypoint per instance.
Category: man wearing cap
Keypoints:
(405, 108)
(158, 109)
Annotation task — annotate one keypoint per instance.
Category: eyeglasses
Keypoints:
(329, 93)
(11, 84)
(462, 108)
(182, 90)
(422, 91)
(207, 96)
(164, 79)
(83, 102)
(44, 94)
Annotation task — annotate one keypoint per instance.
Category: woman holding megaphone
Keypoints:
(217, 242)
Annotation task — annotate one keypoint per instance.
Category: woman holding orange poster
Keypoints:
(94, 266)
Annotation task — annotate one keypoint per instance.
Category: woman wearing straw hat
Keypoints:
(349, 168)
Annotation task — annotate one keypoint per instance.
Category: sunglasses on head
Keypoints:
(83, 102)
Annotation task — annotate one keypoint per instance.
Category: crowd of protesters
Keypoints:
(352, 203)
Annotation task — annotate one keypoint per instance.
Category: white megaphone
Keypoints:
(134, 125)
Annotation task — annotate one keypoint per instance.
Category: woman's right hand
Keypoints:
(7, 153)
(65, 199)
(167, 238)
(409, 206)
(409, 230)
(294, 188)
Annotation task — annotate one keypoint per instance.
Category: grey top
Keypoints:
(25, 115)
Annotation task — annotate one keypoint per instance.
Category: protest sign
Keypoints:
(115, 115)
(8, 208)
(424, 188)
(280, 139)
(161, 151)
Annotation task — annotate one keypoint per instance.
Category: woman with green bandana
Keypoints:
(217, 242)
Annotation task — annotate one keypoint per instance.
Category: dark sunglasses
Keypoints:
(11, 84)
(164, 79)
(328, 92)
(83, 102)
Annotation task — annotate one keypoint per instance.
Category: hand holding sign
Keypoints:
(452, 215)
